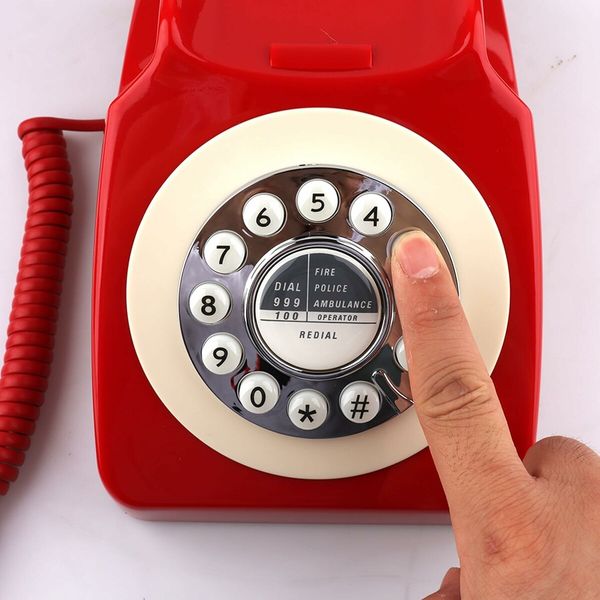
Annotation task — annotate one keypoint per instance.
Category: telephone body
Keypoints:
(258, 162)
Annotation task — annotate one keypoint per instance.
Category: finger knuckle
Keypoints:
(457, 391)
(562, 456)
(558, 446)
(520, 532)
(529, 548)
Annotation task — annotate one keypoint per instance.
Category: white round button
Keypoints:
(222, 353)
(360, 402)
(264, 214)
(400, 355)
(258, 392)
(317, 200)
(370, 214)
(307, 409)
(224, 252)
(209, 302)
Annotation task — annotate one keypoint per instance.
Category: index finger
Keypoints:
(454, 396)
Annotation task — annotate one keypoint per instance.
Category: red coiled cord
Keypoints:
(32, 325)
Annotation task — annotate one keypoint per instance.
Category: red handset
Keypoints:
(257, 162)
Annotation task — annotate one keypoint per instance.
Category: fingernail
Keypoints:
(417, 255)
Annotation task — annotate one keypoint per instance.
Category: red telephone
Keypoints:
(258, 162)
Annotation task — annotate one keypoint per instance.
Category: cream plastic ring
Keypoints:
(247, 152)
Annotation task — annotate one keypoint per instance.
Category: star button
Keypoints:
(307, 413)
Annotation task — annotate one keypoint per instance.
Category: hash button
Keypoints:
(360, 402)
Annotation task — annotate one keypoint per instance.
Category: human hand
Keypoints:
(524, 529)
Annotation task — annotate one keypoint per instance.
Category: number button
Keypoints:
(370, 214)
(360, 402)
(225, 252)
(400, 355)
(307, 409)
(264, 214)
(222, 353)
(209, 303)
(258, 392)
(317, 200)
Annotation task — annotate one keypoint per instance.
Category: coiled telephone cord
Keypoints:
(32, 324)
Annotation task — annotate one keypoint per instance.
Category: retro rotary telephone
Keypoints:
(258, 163)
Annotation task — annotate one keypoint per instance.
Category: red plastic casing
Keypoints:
(195, 68)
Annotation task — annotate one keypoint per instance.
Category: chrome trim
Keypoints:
(404, 401)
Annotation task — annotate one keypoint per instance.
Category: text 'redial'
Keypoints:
(318, 309)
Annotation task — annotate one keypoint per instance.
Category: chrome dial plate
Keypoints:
(368, 355)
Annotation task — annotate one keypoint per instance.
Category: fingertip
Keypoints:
(416, 255)
(451, 578)
(450, 587)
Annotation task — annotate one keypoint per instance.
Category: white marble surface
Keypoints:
(61, 536)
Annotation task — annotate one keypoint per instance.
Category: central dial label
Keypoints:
(317, 309)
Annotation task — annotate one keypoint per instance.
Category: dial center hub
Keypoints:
(318, 307)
